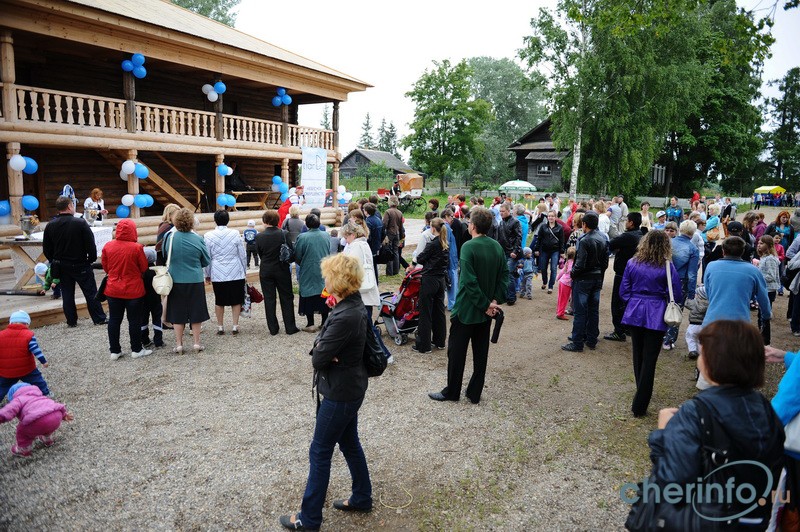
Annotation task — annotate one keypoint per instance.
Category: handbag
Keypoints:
(101, 290)
(286, 255)
(712, 234)
(673, 315)
(255, 295)
(369, 281)
(385, 254)
(374, 358)
(162, 282)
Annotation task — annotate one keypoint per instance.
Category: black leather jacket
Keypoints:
(591, 259)
(342, 337)
(509, 235)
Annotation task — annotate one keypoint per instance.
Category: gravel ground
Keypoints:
(219, 440)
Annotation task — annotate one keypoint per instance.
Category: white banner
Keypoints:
(313, 176)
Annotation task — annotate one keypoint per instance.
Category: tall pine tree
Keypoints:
(366, 141)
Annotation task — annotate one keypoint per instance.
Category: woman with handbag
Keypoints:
(435, 260)
(356, 235)
(309, 250)
(124, 261)
(341, 378)
(647, 290)
(273, 245)
(186, 257)
(549, 246)
(226, 271)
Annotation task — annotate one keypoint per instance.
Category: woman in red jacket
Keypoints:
(124, 261)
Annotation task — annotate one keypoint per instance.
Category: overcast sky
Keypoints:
(390, 45)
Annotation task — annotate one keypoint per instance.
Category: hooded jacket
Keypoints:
(124, 261)
(29, 405)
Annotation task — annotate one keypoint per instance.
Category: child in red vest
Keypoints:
(18, 353)
(39, 417)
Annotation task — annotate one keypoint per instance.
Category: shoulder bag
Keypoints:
(369, 281)
(374, 358)
(287, 254)
(673, 315)
(162, 282)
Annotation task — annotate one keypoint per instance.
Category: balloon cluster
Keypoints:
(344, 196)
(282, 98)
(224, 170)
(212, 92)
(279, 186)
(140, 200)
(30, 203)
(23, 164)
(136, 65)
(130, 167)
(226, 200)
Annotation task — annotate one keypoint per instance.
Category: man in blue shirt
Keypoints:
(685, 257)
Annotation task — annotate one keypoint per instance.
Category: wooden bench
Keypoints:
(261, 199)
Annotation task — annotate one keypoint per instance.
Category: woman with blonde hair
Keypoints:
(713, 230)
(644, 289)
(293, 224)
(341, 379)
(94, 208)
(435, 261)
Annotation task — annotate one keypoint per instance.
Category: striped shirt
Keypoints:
(33, 347)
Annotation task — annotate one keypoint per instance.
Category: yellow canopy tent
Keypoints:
(770, 189)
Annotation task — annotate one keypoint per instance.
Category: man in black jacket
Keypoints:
(623, 247)
(509, 235)
(70, 247)
(591, 261)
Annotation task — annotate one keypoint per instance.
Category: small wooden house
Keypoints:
(360, 157)
(537, 159)
(68, 104)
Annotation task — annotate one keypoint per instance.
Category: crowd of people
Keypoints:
(471, 259)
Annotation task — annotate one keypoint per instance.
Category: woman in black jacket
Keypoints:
(275, 275)
(435, 259)
(341, 377)
(549, 246)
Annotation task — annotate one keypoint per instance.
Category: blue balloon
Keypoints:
(30, 203)
(123, 211)
(220, 87)
(222, 169)
(139, 72)
(342, 201)
(284, 196)
(30, 166)
(128, 65)
(276, 180)
(137, 59)
(140, 201)
(276, 101)
(283, 187)
(281, 91)
(141, 171)
(286, 99)
(5, 208)
(231, 200)
(222, 200)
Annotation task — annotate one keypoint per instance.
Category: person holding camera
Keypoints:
(482, 287)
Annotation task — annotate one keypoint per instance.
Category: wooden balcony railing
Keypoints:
(35, 104)
(57, 107)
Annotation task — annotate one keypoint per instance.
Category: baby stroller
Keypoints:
(399, 311)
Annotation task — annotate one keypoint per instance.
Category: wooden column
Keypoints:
(129, 93)
(133, 183)
(219, 180)
(15, 186)
(285, 171)
(219, 127)
(335, 175)
(285, 128)
(8, 76)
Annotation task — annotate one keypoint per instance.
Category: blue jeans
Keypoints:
(586, 303)
(337, 422)
(451, 292)
(549, 258)
(34, 377)
(511, 291)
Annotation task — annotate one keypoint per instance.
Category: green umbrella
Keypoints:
(517, 187)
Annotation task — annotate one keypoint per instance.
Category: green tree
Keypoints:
(447, 120)
(366, 141)
(373, 172)
(516, 105)
(387, 138)
(325, 123)
(784, 138)
(219, 10)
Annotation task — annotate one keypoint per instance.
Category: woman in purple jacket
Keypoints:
(644, 288)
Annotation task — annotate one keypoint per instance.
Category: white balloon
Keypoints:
(230, 170)
(128, 167)
(207, 88)
(17, 162)
(213, 96)
(347, 196)
(127, 200)
(123, 175)
(276, 188)
(341, 189)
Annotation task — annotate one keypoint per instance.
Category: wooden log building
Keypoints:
(67, 103)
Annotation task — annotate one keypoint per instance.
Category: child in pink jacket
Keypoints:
(39, 417)
(564, 279)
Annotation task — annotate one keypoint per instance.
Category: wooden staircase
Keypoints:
(162, 192)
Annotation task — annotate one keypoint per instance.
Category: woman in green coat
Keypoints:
(309, 250)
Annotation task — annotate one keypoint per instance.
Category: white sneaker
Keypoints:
(390, 360)
(143, 353)
(115, 356)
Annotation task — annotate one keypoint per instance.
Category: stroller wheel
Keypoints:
(400, 339)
